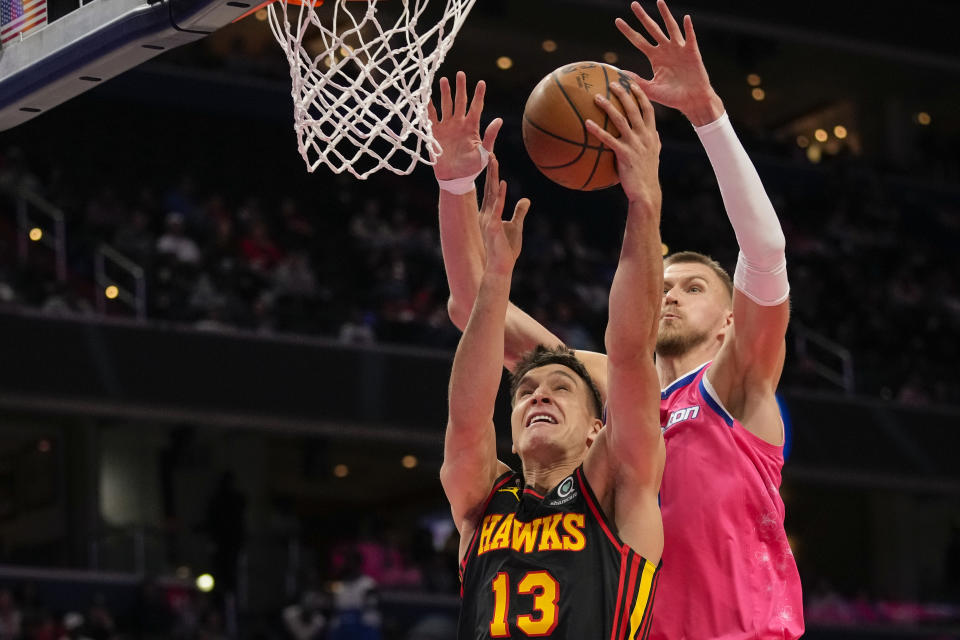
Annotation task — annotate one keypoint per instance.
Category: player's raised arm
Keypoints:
(457, 128)
(464, 156)
(632, 449)
(746, 371)
(470, 463)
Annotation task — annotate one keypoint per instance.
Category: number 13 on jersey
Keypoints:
(546, 593)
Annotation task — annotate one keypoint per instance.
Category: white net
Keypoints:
(361, 88)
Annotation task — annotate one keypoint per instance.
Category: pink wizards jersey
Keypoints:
(728, 571)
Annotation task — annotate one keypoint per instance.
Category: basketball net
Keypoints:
(361, 88)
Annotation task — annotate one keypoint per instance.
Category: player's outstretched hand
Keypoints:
(680, 79)
(638, 147)
(502, 239)
(457, 129)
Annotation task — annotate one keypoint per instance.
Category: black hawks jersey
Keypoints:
(551, 566)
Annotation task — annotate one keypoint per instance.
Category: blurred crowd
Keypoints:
(153, 611)
(870, 255)
(360, 591)
(827, 607)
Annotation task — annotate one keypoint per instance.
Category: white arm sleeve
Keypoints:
(761, 272)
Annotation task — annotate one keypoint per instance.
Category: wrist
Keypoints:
(463, 183)
(497, 274)
(647, 199)
(644, 204)
(445, 193)
(705, 110)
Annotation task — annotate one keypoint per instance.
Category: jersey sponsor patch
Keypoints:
(687, 413)
(565, 493)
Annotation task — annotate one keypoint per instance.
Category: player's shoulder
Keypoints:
(736, 399)
(686, 384)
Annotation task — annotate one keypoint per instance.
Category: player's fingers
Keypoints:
(446, 104)
(488, 185)
(643, 83)
(688, 31)
(635, 37)
(490, 135)
(648, 23)
(460, 97)
(633, 76)
(520, 212)
(616, 117)
(501, 199)
(630, 108)
(476, 105)
(493, 170)
(432, 113)
(605, 137)
(646, 107)
(672, 27)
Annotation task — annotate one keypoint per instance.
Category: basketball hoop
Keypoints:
(362, 82)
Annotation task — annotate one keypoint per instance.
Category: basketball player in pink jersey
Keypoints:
(728, 571)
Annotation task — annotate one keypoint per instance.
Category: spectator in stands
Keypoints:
(356, 614)
(174, 242)
(73, 627)
(215, 211)
(357, 328)
(222, 252)
(295, 276)
(304, 620)
(259, 249)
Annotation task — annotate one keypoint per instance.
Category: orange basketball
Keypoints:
(555, 130)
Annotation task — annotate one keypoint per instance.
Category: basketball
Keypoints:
(555, 131)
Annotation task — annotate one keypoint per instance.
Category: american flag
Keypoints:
(19, 16)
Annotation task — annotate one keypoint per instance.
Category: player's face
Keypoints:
(696, 308)
(552, 413)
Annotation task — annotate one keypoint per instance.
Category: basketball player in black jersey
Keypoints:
(569, 546)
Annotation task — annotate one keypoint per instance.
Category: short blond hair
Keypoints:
(700, 258)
